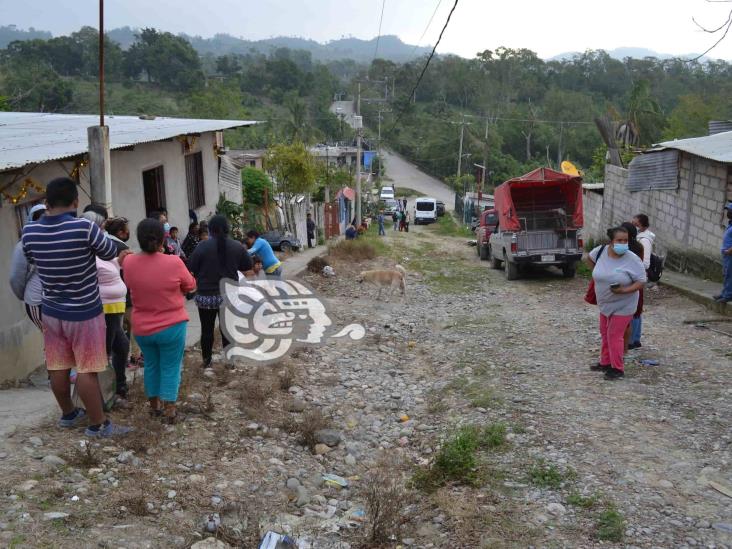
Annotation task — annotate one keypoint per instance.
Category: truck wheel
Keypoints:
(483, 252)
(511, 270)
(568, 271)
(495, 262)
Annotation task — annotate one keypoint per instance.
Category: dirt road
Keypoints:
(467, 417)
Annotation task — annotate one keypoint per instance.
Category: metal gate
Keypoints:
(330, 221)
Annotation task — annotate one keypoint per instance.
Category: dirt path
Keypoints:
(561, 459)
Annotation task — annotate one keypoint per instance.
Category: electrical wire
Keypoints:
(437, 7)
(378, 36)
(427, 63)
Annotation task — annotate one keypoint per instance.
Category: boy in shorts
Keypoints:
(63, 248)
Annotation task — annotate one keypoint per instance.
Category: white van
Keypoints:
(425, 210)
(387, 193)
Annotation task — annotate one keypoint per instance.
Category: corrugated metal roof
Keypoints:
(719, 126)
(713, 147)
(31, 138)
(654, 171)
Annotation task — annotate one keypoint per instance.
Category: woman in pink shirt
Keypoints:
(158, 284)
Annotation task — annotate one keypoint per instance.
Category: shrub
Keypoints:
(611, 525)
(354, 250)
(316, 264)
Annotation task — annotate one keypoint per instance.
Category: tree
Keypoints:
(255, 186)
(690, 118)
(293, 169)
(644, 114)
(165, 59)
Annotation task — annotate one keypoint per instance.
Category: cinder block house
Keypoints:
(682, 186)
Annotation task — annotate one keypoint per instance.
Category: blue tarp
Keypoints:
(368, 158)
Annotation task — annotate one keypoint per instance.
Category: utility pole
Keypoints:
(485, 163)
(358, 124)
(460, 153)
(100, 172)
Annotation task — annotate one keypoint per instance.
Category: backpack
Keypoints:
(655, 270)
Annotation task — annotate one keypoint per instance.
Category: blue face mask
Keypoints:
(166, 227)
(620, 249)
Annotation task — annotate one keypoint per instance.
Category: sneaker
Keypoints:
(636, 345)
(612, 374)
(600, 367)
(108, 430)
(721, 299)
(80, 415)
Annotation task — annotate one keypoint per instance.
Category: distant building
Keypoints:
(247, 158)
(160, 163)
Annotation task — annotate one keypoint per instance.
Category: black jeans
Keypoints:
(118, 346)
(208, 321)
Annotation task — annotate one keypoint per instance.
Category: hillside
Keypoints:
(361, 51)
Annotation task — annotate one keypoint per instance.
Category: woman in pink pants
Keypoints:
(619, 275)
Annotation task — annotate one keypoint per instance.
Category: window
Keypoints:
(253, 163)
(425, 206)
(153, 184)
(194, 180)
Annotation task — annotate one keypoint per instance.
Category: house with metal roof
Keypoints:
(682, 185)
(157, 163)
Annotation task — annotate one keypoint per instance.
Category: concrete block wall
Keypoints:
(687, 221)
(593, 228)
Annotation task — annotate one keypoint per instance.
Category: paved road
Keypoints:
(406, 174)
(402, 172)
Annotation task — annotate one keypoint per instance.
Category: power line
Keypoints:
(427, 63)
(378, 36)
(427, 27)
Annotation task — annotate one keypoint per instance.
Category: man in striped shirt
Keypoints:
(63, 248)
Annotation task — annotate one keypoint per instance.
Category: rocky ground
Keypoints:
(467, 417)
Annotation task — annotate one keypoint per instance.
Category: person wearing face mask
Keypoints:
(726, 295)
(619, 275)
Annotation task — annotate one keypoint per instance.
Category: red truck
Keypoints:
(486, 225)
(540, 215)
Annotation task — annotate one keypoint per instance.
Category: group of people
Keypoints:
(619, 275)
(79, 280)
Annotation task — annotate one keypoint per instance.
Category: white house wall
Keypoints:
(20, 342)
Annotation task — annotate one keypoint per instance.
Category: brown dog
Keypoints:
(386, 279)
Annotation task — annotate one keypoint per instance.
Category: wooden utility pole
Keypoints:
(358, 123)
(460, 152)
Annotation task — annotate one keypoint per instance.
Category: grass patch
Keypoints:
(457, 461)
(406, 192)
(610, 525)
(447, 226)
(585, 502)
(493, 436)
(359, 249)
(548, 475)
(584, 270)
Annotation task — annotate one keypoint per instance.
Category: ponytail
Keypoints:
(150, 235)
(218, 227)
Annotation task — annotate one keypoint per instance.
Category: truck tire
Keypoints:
(569, 270)
(511, 270)
(483, 252)
(495, 262)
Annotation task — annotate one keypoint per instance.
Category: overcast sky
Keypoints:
(547, 27)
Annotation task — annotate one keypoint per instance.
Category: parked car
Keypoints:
(539, 218)
(390, 206)
(486, 225)
(386, 193)
(425, 210)
(283, 241)
(440, 208)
